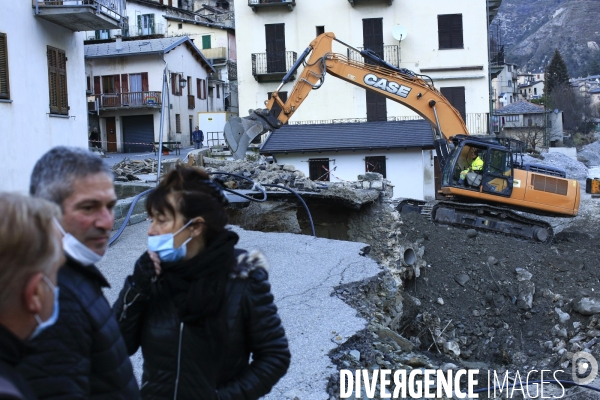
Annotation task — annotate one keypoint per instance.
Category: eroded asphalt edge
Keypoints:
(303, 273)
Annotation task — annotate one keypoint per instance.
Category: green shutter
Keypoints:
(139, 25)
(206, 42)
(151, 24)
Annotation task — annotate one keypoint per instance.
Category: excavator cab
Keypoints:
(496, 175)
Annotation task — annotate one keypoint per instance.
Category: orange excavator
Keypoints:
(484, 199)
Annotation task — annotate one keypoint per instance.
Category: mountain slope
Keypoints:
(532, 29)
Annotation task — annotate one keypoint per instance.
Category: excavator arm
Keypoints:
(396, 84)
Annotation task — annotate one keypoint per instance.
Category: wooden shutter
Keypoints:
(144, 81)
(373, 35)
(124, 83)
(205, 88)
(450, 31)
(4, 86)
(189, 85)
(275, 43)
(97, 89)
(117, 83)
(205, 42)
(198, 88)
(57, 81)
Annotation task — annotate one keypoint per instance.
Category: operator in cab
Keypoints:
(476, 165)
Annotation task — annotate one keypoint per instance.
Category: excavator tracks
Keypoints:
(482, 217)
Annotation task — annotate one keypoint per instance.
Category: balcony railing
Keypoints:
(272, 66)
(129, 100)
(217, 52)
(477, 123)
(256, 4)
(232, 70)
(82, 15)
(140, 30)
(191, 101)
(391, 54)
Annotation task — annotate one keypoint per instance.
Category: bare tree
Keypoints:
(532, 136)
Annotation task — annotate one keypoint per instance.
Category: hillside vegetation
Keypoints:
(532, 29)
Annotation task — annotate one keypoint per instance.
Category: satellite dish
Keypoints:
(556, 111)
(399, 33)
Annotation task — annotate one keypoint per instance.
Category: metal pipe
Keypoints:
(162, 123)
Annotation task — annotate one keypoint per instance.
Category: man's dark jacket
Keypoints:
(12, 384)
(177, 357)
(82, 356)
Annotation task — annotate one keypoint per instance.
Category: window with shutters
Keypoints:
(4, 87)
(175, 86)
(178, 123)
(57, 81)
(206, 42)
(450, 31)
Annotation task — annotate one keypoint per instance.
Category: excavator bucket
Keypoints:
(239, 133)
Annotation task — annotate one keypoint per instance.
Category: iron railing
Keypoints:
(137, 30)
(391, 54)
(131, 99)
(477, 123)
(254, 3)
(273, 63)
(112, 8)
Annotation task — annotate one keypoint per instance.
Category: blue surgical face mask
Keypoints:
(164, 246)
(43, 325)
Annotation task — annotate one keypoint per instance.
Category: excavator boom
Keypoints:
(400, 85)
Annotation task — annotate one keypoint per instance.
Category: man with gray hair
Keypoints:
(83, 356)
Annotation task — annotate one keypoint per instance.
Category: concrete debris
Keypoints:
(562, 316)
(462, 279)
(452, 348)
(587, 305)
(574, 169)
(525, 296)
(355, 354)
(126, 170)
(523, 274)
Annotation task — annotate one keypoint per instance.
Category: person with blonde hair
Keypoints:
(30, 256)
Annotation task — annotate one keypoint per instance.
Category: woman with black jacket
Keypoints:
(197, 306)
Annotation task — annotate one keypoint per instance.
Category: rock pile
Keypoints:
(126, 170)
(590, 154)
(574, 169)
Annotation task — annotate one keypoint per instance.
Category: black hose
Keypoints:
(240, 194)
(312, 226)
(126, 220)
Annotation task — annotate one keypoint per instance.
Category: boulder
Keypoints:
(587, 305)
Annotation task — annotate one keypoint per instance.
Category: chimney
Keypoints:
(118, 43)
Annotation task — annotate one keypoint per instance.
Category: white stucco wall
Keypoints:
(26, 129)
(338, 99)
(410, 171)
(179, 60)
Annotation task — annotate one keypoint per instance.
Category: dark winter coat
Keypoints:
(82, 356)
(198, 136)
(179, 359)
(12, 384)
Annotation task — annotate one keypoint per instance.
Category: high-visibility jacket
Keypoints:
(477, 164)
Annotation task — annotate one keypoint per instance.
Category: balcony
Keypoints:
(391, 54)
(81, 15)
(216, 53)
(256, 4)
(267, 67)
(156, 29)
(113, 101)
(191, 101)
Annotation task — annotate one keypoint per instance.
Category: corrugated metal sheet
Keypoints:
(350, 136)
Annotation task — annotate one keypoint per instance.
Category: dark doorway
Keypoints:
(191, 128)
(275, 40)
(373, 40)
(111, 135)
(138, 129)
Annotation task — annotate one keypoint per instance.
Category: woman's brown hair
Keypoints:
(194, 195)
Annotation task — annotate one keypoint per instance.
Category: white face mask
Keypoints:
(77, 250)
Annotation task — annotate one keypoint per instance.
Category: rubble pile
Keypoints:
(574, 169)
(126, 170)
(590, 154)
(478, 300)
